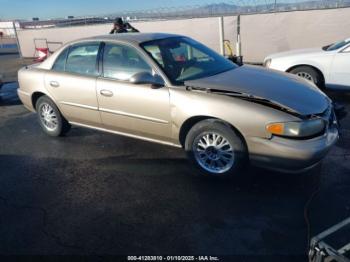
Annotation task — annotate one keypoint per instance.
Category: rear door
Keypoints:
(125, 107)
(72, 83)
(340, 71)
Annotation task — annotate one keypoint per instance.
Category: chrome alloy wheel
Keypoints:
(306, 76)
(213, 152)
(48, 117)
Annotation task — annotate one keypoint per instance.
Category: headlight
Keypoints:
(301, 129)
(267, 63)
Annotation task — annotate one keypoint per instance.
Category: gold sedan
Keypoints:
(173, 90)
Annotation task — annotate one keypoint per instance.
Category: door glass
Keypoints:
(122, 62)
(61, 61)
(82, 59)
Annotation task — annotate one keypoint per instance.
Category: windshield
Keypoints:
(336, 45)
(184, 59)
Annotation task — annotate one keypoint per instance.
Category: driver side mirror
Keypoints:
(143, 78)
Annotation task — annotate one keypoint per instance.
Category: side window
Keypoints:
(60, 62)
(82, 59)
(122, 62)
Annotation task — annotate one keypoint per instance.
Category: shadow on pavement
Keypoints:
(8, 94)
(128, 205)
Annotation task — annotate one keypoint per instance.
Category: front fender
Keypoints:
(249, 118)
(323, 64)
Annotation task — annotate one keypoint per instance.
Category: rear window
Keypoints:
(60, 63)
(82, 59)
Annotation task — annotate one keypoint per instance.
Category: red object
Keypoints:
(41, 53)
(180, 58)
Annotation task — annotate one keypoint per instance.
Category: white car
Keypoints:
(327, 67)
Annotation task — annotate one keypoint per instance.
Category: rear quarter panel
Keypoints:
(31, 81)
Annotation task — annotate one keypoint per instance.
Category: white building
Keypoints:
(6, 27)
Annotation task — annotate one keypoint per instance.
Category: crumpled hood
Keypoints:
(284, 89)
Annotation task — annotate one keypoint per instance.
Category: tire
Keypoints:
(308, 73)
(214, 161)
(50, 118)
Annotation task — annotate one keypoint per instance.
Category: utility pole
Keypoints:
(239, 43)
(222, 33)
(17, 40)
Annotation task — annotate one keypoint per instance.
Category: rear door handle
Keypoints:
(106, 93)
(54, 84)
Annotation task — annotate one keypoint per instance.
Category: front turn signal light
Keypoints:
(276, 128)
(298, 129)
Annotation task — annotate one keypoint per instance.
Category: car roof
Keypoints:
(133, 37)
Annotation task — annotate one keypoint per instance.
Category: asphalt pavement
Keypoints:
(93, 193)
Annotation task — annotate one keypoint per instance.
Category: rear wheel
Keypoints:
(309, 74)
(216, 149)
(50, 118)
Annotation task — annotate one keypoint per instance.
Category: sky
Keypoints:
(26, 9)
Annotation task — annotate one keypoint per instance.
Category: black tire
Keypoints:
(310, 74)
(212, 126)
(61, 127)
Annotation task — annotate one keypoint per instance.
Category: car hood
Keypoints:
(283, 89)
(303, 52)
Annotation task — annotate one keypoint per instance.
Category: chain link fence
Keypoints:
(210, 9)
(8, 38)
(233, 7)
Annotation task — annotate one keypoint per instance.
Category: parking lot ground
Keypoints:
(92, 193)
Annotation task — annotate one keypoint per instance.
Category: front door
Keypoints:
(139, 110)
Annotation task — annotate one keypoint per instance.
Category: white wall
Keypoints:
(189, 27)
(266, 34)
(262, 34)
(7, 28)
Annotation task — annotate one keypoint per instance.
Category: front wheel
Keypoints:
(309, 74)
(50, 118)
(216, 149)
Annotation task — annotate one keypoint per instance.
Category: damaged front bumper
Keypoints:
(288, 155)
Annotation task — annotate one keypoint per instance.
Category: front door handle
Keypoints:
(54, 84)
(106, 93)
